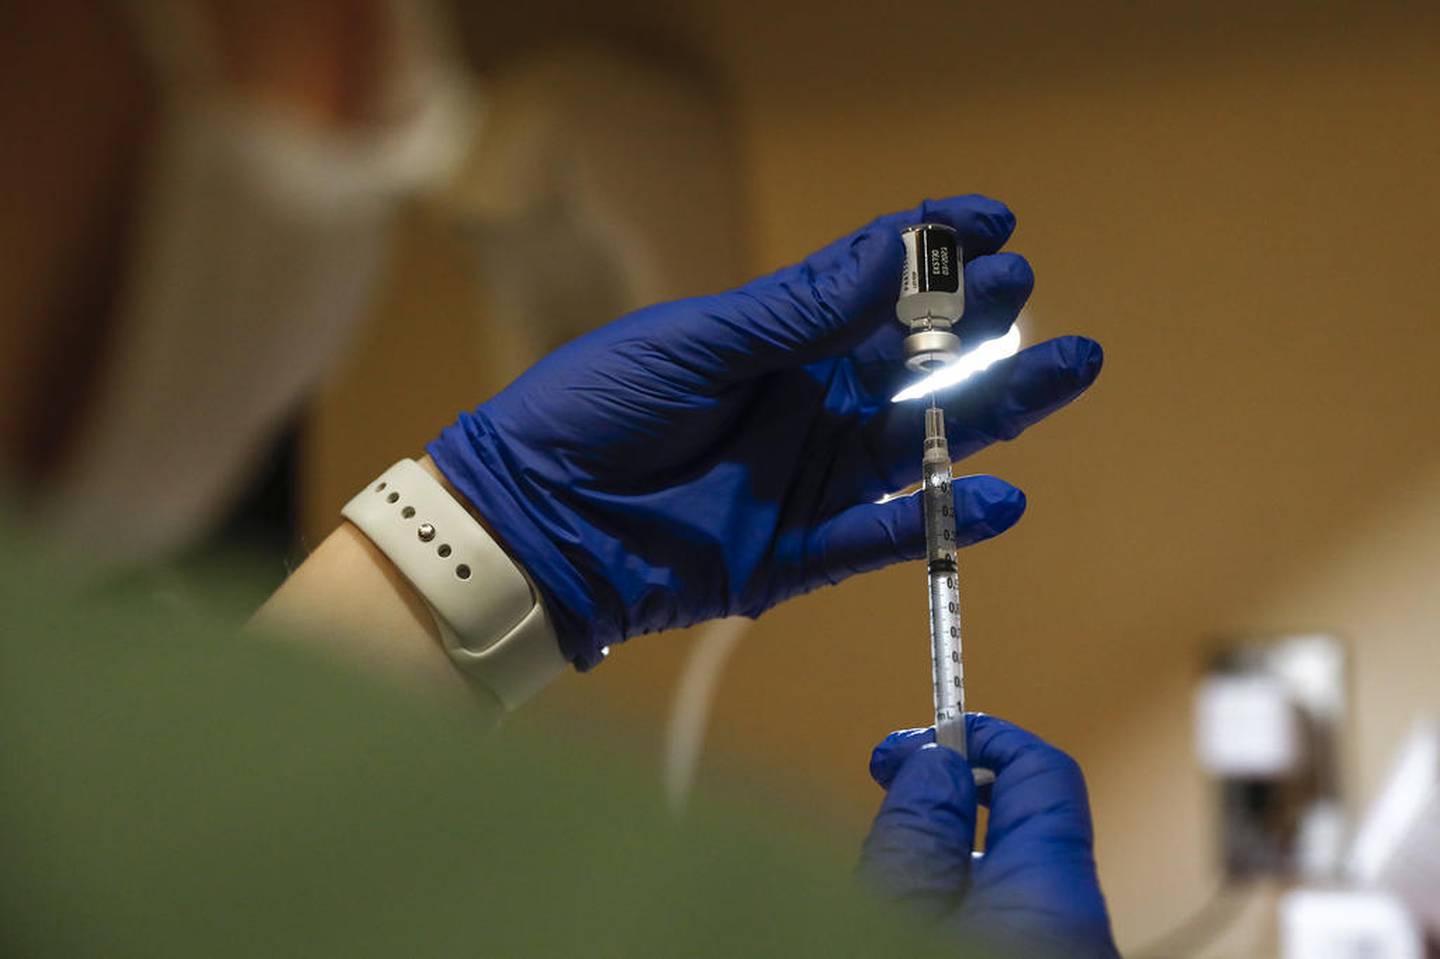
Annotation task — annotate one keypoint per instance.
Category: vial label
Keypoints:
(910, 275)
(932, 261)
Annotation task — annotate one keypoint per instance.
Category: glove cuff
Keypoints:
(465, 452)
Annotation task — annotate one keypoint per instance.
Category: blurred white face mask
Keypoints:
(259, 245)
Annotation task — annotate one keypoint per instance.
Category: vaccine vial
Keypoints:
(932, 295)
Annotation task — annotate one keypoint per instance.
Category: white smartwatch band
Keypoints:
(492, 623)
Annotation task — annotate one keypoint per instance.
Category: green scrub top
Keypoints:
(171, 788)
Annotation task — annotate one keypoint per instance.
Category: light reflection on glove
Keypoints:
(717, 455)
(1034, 893)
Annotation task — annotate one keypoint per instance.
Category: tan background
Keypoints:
(1239, 201)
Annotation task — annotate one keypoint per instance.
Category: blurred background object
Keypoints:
(1347, 925)
(620, 170)
(1269, 719)
(1237, 199)
(266, 154)
(1388, 899)
(1397, 847)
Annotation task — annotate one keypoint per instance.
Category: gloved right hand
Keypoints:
(1034, 892)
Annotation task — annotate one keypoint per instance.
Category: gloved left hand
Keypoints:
(714, 456)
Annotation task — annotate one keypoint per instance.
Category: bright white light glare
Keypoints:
(966, 366)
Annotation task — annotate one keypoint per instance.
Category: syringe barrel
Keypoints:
(936, 450)
(940, 545)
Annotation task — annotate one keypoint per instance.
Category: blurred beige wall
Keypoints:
(1241, 203)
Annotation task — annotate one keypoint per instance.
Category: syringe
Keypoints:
(932, 299)
(945, 649)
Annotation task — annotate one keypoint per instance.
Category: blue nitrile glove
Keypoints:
(716, 455)
(1034, 893)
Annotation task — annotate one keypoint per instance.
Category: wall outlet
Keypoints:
(1268, 717)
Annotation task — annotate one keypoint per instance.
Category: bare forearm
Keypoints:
(349, 599)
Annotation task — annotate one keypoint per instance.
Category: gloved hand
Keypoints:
(716, 455)
(1034, 892)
